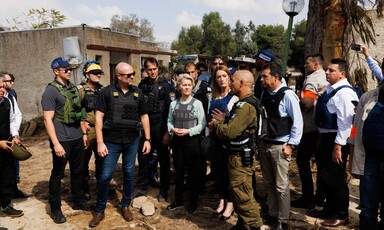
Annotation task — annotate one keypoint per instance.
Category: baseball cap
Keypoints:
(59, 62)
(266, 55)
(94, 69)
(232, 69)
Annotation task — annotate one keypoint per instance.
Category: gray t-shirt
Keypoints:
(53, 100)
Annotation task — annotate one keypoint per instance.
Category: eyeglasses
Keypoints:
(9, 81)
(218, 63)
(65, 70)
(128, 75)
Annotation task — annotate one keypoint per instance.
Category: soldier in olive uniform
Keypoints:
(238, 132)
(88, 91)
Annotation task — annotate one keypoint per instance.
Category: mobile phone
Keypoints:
(356, 47)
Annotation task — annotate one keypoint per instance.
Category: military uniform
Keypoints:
(238, 130)
(88, 99)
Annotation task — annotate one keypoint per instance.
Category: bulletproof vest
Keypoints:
(277, 125)
(123, 111)
(5, 109)
(90, 98)
(323, 118)
(183, 115)
(247, 136)
(73, 112)
(154, 95)
(373, 129)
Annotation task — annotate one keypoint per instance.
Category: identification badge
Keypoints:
(115, 94)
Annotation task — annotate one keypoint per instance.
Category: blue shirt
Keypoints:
(289, 106)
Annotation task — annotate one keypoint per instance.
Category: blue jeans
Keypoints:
(372, 193)
(109, 164)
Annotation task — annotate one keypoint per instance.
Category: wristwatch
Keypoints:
(292, 146)
(16, 136)
(149, 140)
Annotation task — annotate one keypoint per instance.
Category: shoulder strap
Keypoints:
(197, 87)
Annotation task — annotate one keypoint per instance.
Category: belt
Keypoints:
(239, 142)
(272, 142)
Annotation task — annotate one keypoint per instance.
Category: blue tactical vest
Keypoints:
(323, 118)
(373, 129)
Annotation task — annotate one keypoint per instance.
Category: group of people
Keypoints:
(10, 122)
(228, 110)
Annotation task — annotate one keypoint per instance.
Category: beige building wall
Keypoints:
(28, 55)
(376, 51)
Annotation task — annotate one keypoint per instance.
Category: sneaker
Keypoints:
(58, 217)
(175, 205)
(303, 203)
(82, 205)
(11, 212)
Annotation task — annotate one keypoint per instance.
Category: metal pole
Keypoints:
(286, 47)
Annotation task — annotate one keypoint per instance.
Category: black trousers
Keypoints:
(7, 178)
(186, 154)
(332, 178)
(306, 149)
(75, 156)
(221, 174)
(144, 175)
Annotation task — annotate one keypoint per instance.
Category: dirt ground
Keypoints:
(35, 174)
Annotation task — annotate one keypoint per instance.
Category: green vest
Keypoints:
(73, 112)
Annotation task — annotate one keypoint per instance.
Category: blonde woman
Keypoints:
(186, 120)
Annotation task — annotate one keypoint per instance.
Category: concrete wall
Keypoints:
(28, 55)
(376, 51)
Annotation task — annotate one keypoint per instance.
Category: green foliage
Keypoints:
(270, 37)
(189, 40)
(217, 37)
(297, 45)
(132, 24)
(37, 19)
(242, 36)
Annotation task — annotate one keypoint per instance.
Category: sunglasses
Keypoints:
(218, 63)
(8, 81)
(65, 70)
(128, 75)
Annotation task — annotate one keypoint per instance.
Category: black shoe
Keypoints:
(20, 195)
(162, 197)
(303, 203)
(270, 220)
(224, 218)
(280, 226)
(192, 208)
(82, 206)
(11, 212)
(58, 217)
(175, 205)
(318, 214)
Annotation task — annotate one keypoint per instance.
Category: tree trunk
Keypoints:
(314, 35)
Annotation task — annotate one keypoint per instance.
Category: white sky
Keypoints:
(166, 16)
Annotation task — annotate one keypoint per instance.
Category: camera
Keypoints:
(356, 47)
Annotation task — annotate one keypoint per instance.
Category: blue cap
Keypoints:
(266, 55)
(59, 62)
(232, 70)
